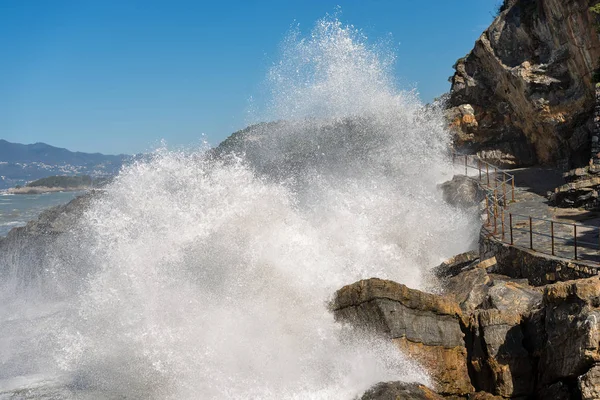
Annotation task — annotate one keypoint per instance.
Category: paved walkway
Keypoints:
(531, 186)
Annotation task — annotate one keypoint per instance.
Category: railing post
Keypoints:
(513, 188)
(495, 212)
(530, 233)
(495, 177)
(575, 239)
(552, 235)
(504, 190)
(487, 210)
(479, 168)
(511, 231)
(502, 222)
(487, 173)
(466, 165)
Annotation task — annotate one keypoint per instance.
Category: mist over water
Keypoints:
(203, 276)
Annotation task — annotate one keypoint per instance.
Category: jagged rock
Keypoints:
(400, 390)
(424, 325)
(500, 362)
(484, 396)
(557, 391)
(455, 265)
(513, 296)
(475, 288)
(571, 323)
(589, 384)
(462, 191)
(28, 249)
(528, 84)
(499, 306)
(581, 190)
(469, 289)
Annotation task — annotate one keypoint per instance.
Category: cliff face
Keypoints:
(525, 93)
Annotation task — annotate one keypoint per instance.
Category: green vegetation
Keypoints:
(595, 9)
(63, 181)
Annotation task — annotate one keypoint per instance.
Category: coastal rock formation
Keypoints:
(426, 326)
(400, 390)
(462, 191)
(525, 93)
(29, 249)
(571, 316)
(580, 189)
(497, 337)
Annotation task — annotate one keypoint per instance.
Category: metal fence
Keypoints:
(549, 236)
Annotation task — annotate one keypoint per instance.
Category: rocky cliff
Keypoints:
(485, 336)
(525, 93)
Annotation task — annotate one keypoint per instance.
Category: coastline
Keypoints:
(45, 189)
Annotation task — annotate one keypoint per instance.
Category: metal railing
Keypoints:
(548, 236)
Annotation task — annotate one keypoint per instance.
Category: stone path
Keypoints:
(531, 186)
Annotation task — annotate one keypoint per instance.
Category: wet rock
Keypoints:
(400, 390)
(455, 265)
(29, 250)
(462, 191)
(423, 325)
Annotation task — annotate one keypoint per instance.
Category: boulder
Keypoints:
(510, 295)
(424, 326)
(475, 288)
(469, 288)
(400, 390)
(455, 265)
(462, 191)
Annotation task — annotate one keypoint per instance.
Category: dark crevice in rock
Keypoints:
(470, 345)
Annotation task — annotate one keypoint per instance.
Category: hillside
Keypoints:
(22, 163)
(63, 181)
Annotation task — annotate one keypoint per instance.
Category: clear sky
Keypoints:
(117, 76)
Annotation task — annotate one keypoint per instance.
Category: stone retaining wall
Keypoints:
(539, 269)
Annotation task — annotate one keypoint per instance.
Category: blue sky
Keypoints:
(118, 76)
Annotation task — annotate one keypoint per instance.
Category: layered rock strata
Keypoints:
(501, 338)
(525, 93)
(423, 325)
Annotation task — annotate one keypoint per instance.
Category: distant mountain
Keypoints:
(22, 163)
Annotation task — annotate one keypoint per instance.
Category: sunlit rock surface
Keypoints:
(423, 325)
(524, 94)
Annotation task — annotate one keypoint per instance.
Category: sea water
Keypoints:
(17, 209)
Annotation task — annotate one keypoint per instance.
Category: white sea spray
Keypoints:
(195, 276)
